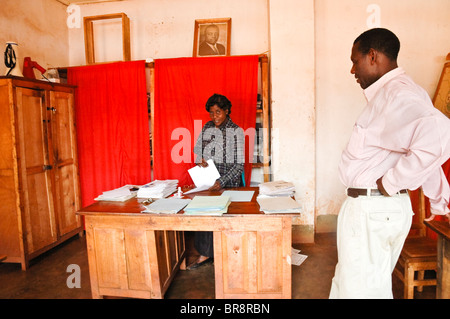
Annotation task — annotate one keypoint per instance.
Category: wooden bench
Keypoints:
(418, 255)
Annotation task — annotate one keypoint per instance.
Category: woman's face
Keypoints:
(217, 115)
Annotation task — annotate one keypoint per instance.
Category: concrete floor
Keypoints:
(47, 276)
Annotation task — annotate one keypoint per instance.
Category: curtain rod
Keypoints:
(262, 58)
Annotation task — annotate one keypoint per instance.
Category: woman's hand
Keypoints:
(216, 187)
(433, 216)
(203, 163)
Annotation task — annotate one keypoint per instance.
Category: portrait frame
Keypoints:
(441, 99)
(223, 41)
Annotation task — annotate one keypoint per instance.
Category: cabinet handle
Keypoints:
(51, 109)
(47, 167)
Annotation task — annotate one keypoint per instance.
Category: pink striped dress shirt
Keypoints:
(401, 136)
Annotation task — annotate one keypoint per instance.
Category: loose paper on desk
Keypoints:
(239, 196)
(171, 205)
(203, 177)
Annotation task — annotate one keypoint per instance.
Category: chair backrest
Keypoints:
(418, 228)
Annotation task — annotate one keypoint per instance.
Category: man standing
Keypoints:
(398, 142)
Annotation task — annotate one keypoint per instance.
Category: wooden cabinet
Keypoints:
(39, 187)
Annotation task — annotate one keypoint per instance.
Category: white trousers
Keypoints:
(371, 232)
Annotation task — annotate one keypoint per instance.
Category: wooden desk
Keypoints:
(133, 254)
(442, 228)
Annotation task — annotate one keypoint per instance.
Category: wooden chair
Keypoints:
(419, 254)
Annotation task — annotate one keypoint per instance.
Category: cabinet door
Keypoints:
(63, 139)
(35, 167)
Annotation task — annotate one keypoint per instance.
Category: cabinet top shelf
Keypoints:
(38, 83)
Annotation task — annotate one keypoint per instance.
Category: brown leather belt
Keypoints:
(355, 192)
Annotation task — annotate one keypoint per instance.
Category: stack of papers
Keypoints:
(208, 205)
(278, 205)
(158, 189)
(277, 188)
(171, 205)
(120, 194)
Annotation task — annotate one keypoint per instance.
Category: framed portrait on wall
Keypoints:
(212, 37)
(441, 98)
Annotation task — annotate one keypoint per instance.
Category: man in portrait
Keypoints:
(210, 45)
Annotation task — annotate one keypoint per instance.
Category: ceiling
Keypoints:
(68, 2)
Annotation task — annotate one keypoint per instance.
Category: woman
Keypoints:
(222, 141)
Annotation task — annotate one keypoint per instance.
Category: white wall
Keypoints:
(165, 29)
(293, 106)
(423, 28)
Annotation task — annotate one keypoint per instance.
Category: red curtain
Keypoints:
(182, 87)
(112, 126)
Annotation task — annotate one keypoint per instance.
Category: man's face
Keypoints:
(211, 35)
(363, 67)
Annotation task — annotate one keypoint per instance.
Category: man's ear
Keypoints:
(373, 55)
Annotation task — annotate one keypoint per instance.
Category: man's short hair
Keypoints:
(381, 40)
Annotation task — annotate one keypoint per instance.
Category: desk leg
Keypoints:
(92, 264)
(443, 268)
(252, 264)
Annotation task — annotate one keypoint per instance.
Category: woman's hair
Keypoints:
(381, 40)
(219, 100)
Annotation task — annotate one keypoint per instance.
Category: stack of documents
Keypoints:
(208, 205)
(158, 189)
(278, 205)
(277, 188)
(171, 205)
(120, 194)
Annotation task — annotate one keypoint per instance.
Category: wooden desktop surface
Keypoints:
(440, 227)
(134, 205)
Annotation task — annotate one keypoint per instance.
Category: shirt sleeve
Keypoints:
(420, 164)
(437, 190)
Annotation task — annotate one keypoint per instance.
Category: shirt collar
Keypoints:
(372, 90)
